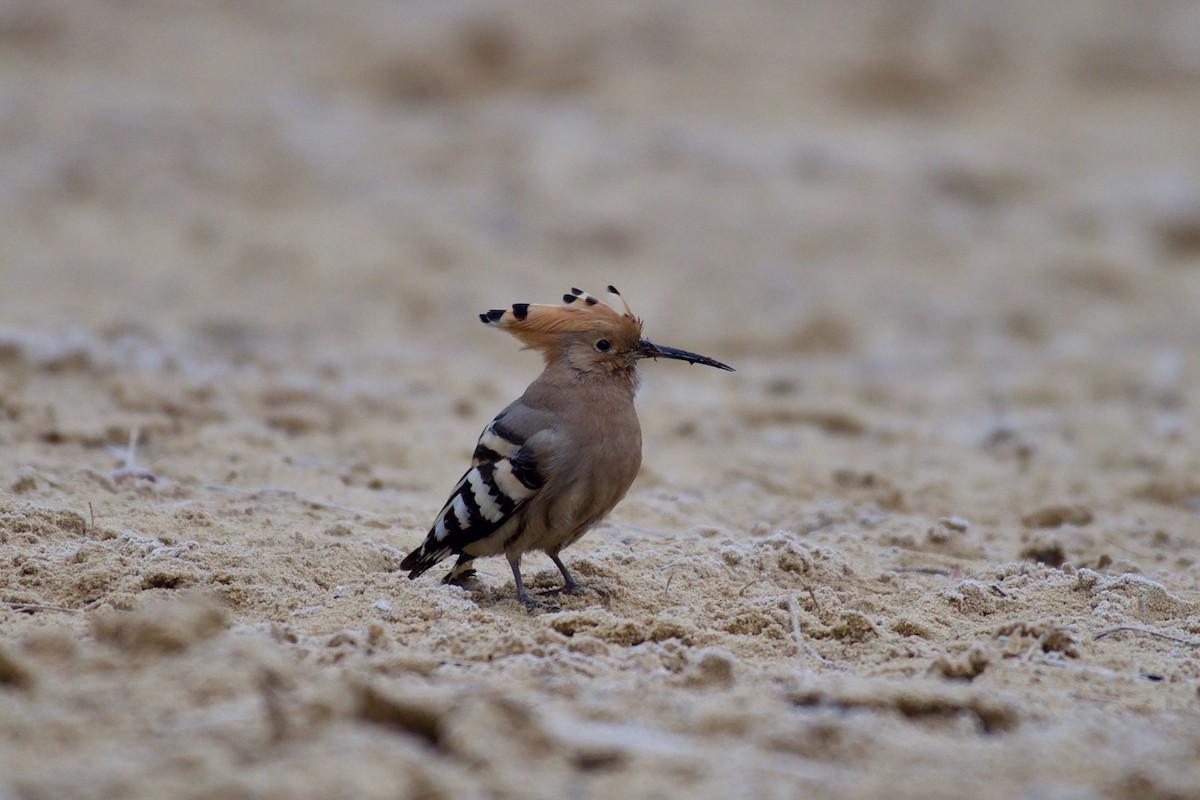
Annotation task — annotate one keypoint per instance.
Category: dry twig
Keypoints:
(798, 635)
(1147, 631)
(19, 606)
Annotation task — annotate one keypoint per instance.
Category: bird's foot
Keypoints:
(570, 585)
(575, 588)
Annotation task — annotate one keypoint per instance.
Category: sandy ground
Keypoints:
(938, 536)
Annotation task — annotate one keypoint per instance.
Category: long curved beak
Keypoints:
(648, 349)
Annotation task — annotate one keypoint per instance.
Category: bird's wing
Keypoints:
(508, 468)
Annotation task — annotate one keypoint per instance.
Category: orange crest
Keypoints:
(541, 326)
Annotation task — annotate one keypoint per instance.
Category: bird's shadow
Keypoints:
(544, 588)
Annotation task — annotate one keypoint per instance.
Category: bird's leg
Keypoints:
(522, 595)
(570, 585)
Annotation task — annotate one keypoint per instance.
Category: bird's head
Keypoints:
(589, 335)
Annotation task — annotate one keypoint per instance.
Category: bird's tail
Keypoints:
(424, 557)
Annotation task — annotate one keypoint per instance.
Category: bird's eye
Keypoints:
(603, 345)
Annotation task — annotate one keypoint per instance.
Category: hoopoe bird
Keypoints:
(555, 461)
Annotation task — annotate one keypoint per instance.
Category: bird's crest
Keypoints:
(539, 326)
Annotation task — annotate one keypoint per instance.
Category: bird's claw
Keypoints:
(575, 588)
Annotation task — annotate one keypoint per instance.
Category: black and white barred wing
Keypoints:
(503, 477)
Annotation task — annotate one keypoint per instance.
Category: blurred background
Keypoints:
(773, 179)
